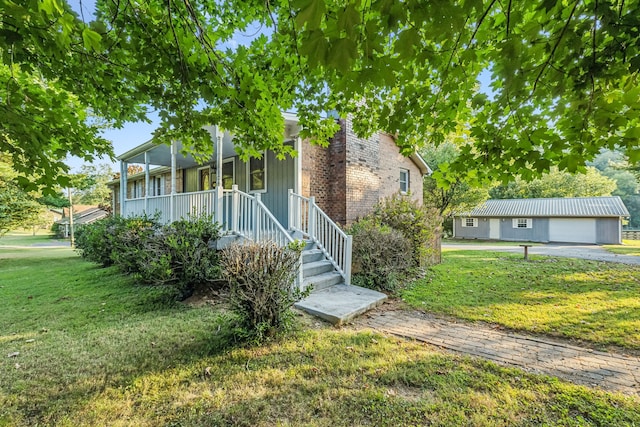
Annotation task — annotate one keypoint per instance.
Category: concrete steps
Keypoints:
(340, 303)
(331, 299)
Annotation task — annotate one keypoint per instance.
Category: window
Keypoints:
(157, 186)
(469, 222)
(204, 179)
(404, 181)
(257, 171)
(137, 190)
(522, 223)
(228, 174)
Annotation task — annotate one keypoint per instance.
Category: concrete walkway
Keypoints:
(609, 371)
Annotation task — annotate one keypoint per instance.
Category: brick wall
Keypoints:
(391, 162)
(350, 176)
(323, 175)
(362, 177)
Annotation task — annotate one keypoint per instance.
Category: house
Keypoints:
(596, 220)
(82, 215)
(269, 198)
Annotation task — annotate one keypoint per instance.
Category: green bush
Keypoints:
(180, 255)
(421, 225)
(262, 291)
(129, 241)
(111, 240)
(93, 243)
(177, 255)
(381, 255)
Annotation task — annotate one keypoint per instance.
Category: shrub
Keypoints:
(262, 291)
(421, 225)
(129, 240)
(381, 255)
(180, 254)
(93, 243)
(113, 239)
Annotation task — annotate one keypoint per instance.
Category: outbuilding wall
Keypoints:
(479, 232)
(608, 230)
(539, 232)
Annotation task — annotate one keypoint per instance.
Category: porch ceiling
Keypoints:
(160, 154)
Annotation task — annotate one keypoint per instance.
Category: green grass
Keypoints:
(108, 352)
(17, 238)
(628, 247)
(472, 242)
(595, 302)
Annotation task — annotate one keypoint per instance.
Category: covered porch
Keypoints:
(175, 184)
(256, 200)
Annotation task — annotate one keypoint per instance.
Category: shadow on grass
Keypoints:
(338, 378)
(586, 300)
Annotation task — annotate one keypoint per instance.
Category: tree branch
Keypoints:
(555, 47)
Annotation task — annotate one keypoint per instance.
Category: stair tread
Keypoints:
(323, 276)
(322, 262)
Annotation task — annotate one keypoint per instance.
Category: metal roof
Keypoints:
(577, 207)
(85, 217)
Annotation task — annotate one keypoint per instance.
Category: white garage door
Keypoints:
(572, 230)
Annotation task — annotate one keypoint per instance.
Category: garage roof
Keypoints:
(576, 207)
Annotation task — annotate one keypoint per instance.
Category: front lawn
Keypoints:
(24, 238)
(95, 349)
(595, 302)
(628, 247)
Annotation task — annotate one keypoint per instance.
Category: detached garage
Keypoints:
(572, 220)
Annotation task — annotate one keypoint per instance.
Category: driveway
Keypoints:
(591, 252)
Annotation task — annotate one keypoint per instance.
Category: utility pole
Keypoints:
(71, 235)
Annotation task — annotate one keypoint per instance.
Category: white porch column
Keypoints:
(146, 182)
(298, 164)
(123, 186)
(173, 182)
(219, 190)
(311, 224)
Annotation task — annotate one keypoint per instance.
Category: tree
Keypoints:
(457, 195)
(557, 184)
(95, 190)
(564, 76)
(614, 165)
(17, 208)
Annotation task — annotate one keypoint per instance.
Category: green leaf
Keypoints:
(311, 13)
(341, 54)
(349, 19)
(315, 47)
(407, 42)
(91, 39)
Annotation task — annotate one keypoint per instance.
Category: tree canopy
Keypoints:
(557, 184)
(563, 76)
(458, 195)
(18, 209)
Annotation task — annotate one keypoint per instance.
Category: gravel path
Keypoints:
(591, 252)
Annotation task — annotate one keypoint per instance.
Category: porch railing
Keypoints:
(247, 216)
(307, 218)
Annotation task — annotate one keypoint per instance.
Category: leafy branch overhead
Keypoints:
(564, 75)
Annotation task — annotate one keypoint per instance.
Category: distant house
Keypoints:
(82, 215)
(595, 220)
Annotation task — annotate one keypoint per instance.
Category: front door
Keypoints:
(494, 228)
